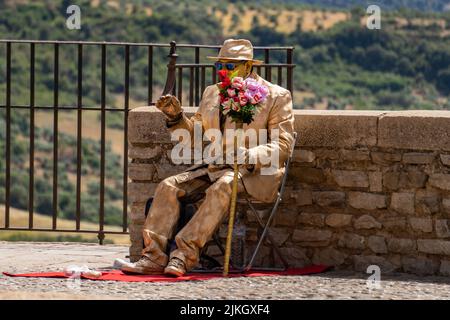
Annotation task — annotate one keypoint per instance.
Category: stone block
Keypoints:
(441, 227)
(445, 159)
(337, 220)
(420, 265)
(141, 171)
(296, 257)
(136, 212)
(351, 178)
(355, 155)
(385, 158)
(140, 191)
(427, 202)
(303, 156)
(306, 175)
(418, 158)
(351, 241)
(416, 130)
(440, 181)
(366, 201)
(446, 204)
(362, 262)
(311, 235)
(312, 219)
(433, 246)
(367, 222)
(338, 129)
(445, 268)
(377, 244)
(404, 246)
(375, 181)
(329, 198)
(328, 257)
(421, 224)
(302, 197)
(402, 202)
(147, 153)
(394, 223)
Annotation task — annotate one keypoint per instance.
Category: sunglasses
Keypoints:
(226, 65)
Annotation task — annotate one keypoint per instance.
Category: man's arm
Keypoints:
(281, 118)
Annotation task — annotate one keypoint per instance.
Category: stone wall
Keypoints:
(365, 187)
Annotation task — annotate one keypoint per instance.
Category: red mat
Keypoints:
(117, 275)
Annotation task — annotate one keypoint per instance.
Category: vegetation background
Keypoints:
(340, 64)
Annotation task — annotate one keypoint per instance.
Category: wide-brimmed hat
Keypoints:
(236, 49)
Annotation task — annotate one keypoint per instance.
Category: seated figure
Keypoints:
(214, 180)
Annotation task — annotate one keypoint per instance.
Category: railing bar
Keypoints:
(125, 142)
(102, 146)
(64, 230)
(289, 70)
(135, 44)
(150, 75)
(214, 74)
(180, 85)
(197, 61)
(280, 77)
(202, 80)
(8, 133)
(31, 165)
(191, 87)
(55, 134)
(62, 108)
(79, 132)
(193, 65)
(268, 70)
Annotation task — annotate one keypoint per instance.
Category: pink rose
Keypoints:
(237, 83)
(231, 92)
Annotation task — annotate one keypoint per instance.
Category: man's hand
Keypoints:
(169, 105)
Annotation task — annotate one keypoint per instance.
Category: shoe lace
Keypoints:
(178, 263)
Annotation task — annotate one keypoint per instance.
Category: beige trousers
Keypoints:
(163, 217)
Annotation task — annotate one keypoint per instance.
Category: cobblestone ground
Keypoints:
(19, 257)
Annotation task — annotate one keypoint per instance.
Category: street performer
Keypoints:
(261, 105)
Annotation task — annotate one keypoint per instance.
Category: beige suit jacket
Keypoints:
(275, 112)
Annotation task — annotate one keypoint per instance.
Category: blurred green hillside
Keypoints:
(340, 65)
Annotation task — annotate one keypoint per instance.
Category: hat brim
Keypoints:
(255, 61)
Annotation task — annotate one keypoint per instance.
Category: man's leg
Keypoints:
(163, 216)
(205, 222)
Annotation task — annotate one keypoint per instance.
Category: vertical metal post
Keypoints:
(125, 143)
(79, 132)
(101, 234)
(289, 80)
(8, 134)
(31, 159)
(180, 85)
(197, 61)
(150, 75)
(55, 134)
(191, 86)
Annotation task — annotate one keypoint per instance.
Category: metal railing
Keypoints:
(197, 82)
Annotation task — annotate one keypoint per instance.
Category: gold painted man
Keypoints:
(274, 114)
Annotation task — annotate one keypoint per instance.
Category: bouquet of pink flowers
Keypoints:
(239, 98)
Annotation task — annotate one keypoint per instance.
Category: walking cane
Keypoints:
(239, 126)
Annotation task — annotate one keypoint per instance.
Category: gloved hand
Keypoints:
(169, 105)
